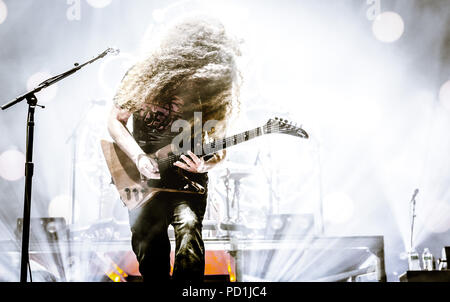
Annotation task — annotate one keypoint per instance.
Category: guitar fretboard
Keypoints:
(233, 140)
(220, 144)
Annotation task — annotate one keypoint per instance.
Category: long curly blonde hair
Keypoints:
(196, 59)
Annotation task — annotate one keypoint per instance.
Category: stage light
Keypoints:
(438, 218)
(111, 269)
(231, 273)
(12, 165)
(99, 3)
(276, 223)
(110, 68)
(3, 11)
(338, 207)
(444, 95)
(159, 15)
(47, 94)
(388, 27)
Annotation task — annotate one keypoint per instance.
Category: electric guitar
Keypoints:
(135, 190)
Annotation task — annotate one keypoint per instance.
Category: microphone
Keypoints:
(113, 50)
(416, 191)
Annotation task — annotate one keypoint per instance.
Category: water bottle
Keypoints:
(427, 260)
(443, 261)
(413, 261)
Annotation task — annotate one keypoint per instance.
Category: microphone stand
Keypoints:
(74, 137)
(413, 216)
(32, 101)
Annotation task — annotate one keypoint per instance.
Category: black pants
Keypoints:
(150, 241)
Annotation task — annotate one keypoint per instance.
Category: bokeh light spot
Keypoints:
(47, 94)
(61, 206)
(99, 3)
(3, 11)
(444, 95)
(12, 165)
(388, 27)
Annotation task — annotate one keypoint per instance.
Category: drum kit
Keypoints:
(225, 201)
(229, 209)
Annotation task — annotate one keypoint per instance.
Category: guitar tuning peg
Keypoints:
(276, 118)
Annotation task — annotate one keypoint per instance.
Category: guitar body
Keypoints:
(134, 190)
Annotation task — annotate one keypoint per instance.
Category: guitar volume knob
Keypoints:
(128, 191)
(136, 193)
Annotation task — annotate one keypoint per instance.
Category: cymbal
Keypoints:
(234, 167)
(236, 175)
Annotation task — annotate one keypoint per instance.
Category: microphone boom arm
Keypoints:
(29, 165)
(57, 78)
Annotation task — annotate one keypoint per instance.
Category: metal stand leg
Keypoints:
(29, 167)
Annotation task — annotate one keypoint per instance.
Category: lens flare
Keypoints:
(388, 27)
(12, 165)
(99, 3)
(3, 11)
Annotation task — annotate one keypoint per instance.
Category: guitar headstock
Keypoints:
(279, 125)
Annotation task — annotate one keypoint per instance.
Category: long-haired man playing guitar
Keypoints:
(192, 71)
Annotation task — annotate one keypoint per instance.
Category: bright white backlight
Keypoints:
(388, 27)
(337, 207)
(99, 3)
(61, 206)
(159, 15)
(46, 94)
(12, 165)
(438, 218)
(3, 11)
(444, 95)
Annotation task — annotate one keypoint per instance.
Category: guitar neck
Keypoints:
(223, 143)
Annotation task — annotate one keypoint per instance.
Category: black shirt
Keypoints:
(152, 131)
